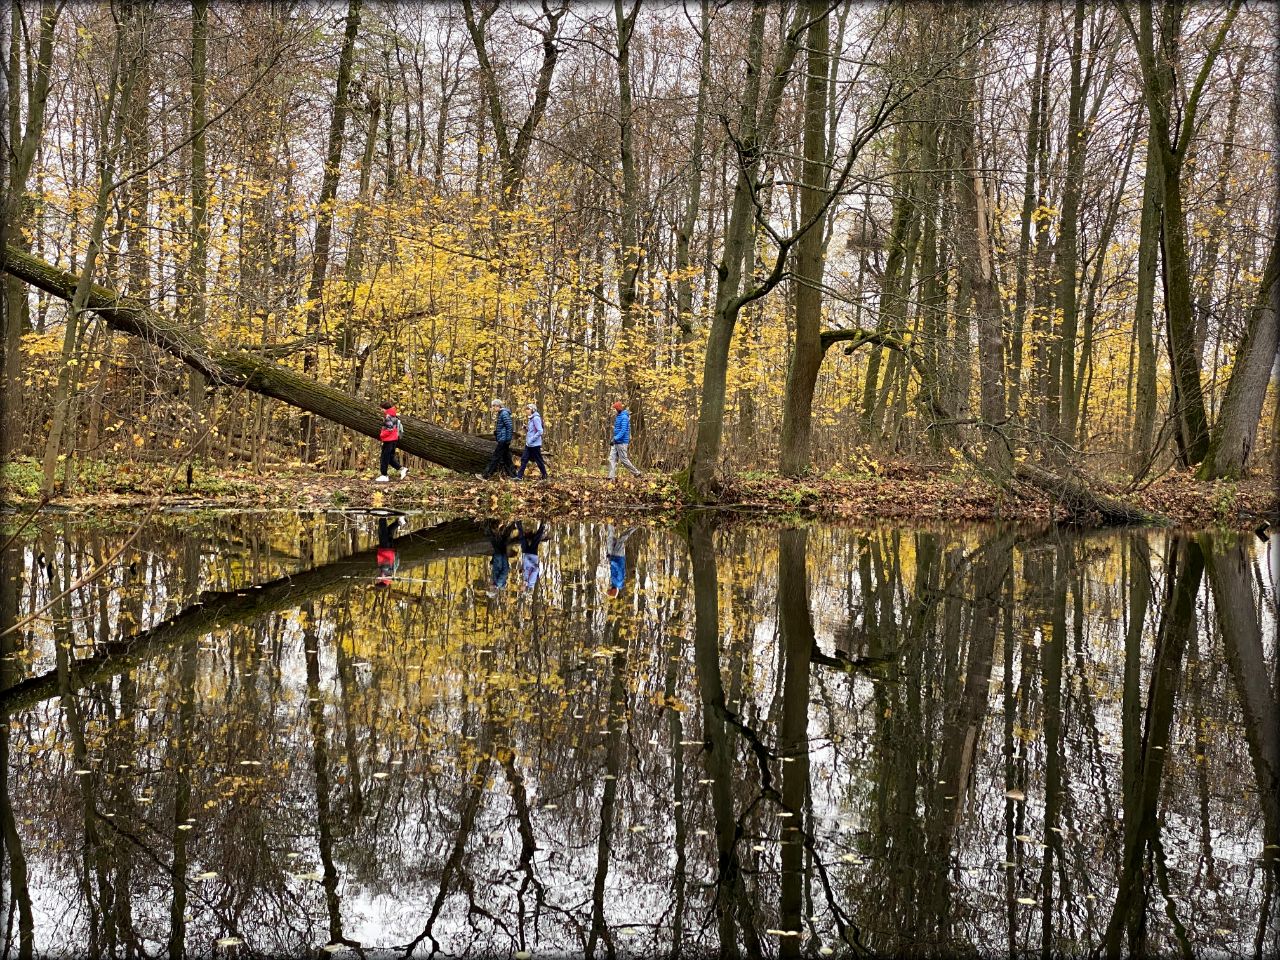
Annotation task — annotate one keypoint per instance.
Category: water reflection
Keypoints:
(285, 732)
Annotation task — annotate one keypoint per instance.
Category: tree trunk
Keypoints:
(1171, 135)
(235, 368)
(806, 351)
(1144, 413)
(324, 215)
(684, 274)
(197, 263)
(110, 131)
(757, 117)
(1068, 234)
(629, 222)
(1236, 431)
(21, 155)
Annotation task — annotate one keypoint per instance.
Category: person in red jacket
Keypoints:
(390, 436)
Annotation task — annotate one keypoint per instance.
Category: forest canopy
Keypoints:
(791, 236)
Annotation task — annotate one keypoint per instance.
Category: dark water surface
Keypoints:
(277, 733)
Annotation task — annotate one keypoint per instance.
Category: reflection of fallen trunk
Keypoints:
(236, 368)
(1233, 599)
(216, 610)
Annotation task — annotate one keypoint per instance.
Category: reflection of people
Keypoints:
(529, 562)
(502, 431)
(387, 558)
(500, 563)
(621, 441)
(615, 549)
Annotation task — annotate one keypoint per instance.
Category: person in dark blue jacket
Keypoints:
(621, 440)
(502, 432)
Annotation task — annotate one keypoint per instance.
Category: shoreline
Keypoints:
(902, 492)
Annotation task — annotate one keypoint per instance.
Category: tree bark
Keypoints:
(21, 154)
(757, 118)
(1171, 136)
(466, 453)
(806, 350)
(1144, 309)
(197, 263)
(324, 214)
(1236, 431)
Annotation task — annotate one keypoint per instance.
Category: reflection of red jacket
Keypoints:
(386, 557)
(390, 426)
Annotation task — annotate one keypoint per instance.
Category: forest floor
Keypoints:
(899, 491)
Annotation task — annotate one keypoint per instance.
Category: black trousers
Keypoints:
(389, 458)
(501, 460)
(533, 454)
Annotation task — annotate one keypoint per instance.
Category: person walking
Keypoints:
(390, 436)
(502, 431)
(621, 441)
(532, 442)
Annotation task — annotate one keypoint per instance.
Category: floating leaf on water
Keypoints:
(701, 833)
(637, 829)
(783, 933)
(229, 942)
(1015, 794)
(786, 813)
(207, 875)
(757, 847)
(550, 806)
(381, 775)
(825, 951)
(1027, 901)
(523, 955)
(1024, 837)
(184, 826)
(82, 772)
(851, 858)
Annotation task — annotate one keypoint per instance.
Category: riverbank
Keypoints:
(901, 491)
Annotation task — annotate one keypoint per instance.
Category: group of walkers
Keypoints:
(503, 433)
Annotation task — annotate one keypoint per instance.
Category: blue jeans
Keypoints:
(534, 454)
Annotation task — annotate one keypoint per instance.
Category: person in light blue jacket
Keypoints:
(621, 440)
(532, 442)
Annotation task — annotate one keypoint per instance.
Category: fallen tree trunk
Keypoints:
(216, 610)
(464, 452)
(1079, 500)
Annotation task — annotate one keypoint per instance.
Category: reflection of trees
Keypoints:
(520, 775)
(1231, 582)
(1142, 794)
(15, 857)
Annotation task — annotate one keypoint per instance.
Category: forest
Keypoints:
(1033, 242)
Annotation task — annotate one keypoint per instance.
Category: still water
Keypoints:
(279, 733)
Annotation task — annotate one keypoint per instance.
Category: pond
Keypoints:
(280, 733)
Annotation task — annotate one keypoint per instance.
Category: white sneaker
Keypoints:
(404, 472)
(383, 479)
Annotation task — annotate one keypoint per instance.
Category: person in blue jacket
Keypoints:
(621, 441)
(502, 432)
(532, 442)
